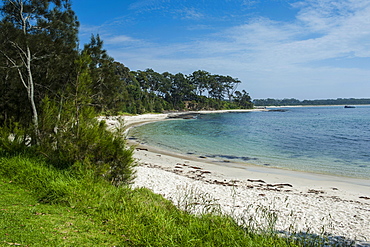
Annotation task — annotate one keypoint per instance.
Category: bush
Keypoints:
(13, 139)
(85, 143)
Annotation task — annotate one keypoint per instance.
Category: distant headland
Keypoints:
(292, 101)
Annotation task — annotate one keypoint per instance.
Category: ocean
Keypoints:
(328, 140)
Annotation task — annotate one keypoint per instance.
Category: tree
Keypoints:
(182, 90)
(243, 99)
(229, 85)
(201, 79)
(105, 82)
(31, 27)
(73, 137)
(216, 87)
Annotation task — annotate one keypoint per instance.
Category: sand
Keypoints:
(298, 201)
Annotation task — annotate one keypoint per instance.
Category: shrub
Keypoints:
(85, 143)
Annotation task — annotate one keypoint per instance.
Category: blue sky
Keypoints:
(305, 49)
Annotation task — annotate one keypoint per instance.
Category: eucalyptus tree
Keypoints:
(182, 90)
(243, 99)
(34, 33)
(216, 87)
(202, 80)
(166, 85)
(229, 85)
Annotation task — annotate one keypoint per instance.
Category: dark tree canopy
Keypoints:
(38, 48)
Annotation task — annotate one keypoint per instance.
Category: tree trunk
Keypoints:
(31, 96)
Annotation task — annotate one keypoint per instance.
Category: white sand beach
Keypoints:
(301, 202)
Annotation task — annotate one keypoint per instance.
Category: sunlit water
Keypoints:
(329, 140)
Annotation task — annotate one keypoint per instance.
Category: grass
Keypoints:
(25, 222)
(43, 206)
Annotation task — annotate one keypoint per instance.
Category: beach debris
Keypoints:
(256, 181)
(203, 157)
(315, 191)
(142, 149)
(195, 167)
(282, 185)
(223, 183)
(365, 197)
(179, 164)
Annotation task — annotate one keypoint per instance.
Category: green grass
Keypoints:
(25, 222)
(43, 206)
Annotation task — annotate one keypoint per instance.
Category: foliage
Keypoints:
(204, 90)
(85, 143)
(71, 135)
(13, 139)
(38, 45)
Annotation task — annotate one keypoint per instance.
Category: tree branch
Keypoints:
(18, 67)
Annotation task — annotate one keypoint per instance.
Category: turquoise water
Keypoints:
(328, 140)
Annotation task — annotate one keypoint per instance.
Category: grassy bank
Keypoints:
(43, 206)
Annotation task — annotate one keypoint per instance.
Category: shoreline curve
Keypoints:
(301, 199)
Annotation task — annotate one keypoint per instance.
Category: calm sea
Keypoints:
(328, 140)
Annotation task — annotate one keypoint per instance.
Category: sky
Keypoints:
(303, 49)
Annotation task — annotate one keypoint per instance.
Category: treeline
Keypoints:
(197, 91)
(51, 91)
(39, 50)
(292, 101)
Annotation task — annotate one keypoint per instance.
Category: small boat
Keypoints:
(349, 106)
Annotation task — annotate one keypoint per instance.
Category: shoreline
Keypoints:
(301, 201)
(238, 170)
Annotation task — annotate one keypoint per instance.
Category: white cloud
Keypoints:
(191, 13)
(120, 39)
(275, 59)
